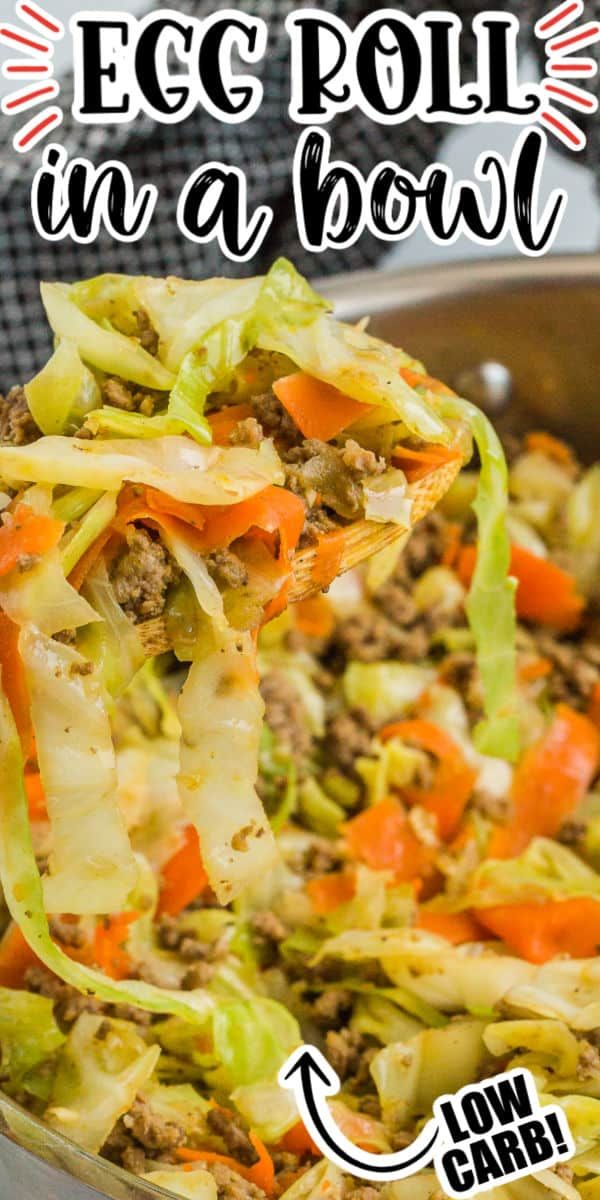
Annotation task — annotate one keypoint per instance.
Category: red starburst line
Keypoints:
(573, 96)
(583, 37)
(32, 13)
(564, 14)
(10, 104)
(26, 68)
(33, 132)
(565, 130)
(578, 66)
(8, 34)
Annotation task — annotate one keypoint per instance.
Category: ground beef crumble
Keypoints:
(68, 1002)
(68, 933)
(17, 426)
(141, 1137)
(348, 737)
(146, 333)
(274, 420)
(332, 1008)
(268, 927)
(350, 1055)
(317, 471)
(425, 546)
(285, 715)
(142, 574)
(247, 432)
(231, 1186)
(227, 569)
(227, 1125)
(118, 394)
(152, 1130)
(318, 522)
(369, 636)
(575, 668)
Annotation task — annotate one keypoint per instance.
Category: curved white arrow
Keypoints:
(310, 1077)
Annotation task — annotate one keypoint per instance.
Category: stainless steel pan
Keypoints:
(540, 321)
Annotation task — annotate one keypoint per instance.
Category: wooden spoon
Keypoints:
(350, 546)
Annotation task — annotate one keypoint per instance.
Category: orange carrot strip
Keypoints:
(550, 782)
(138, 503)
(15, 957)
(261, 1174)
(327, 892)
(183, 876)
(452, 547)
(594, 706)
(362, 1130)
(536, 668)
(538, 932)
(89, 559)
(298, 1141)
(14, 682)
(417, 379)
(329, 552)
(36, 800)
(275, 607)
(456, 927)
(314, 616)
(382, 838)
(318, 409)
(26, 533)
(417, 464)
(274, 510)
(225, 420)
(552, 447)
(454, 779)
(545, 593)
(109, 938)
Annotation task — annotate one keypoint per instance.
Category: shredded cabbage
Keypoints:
(175, 465)
(221, 711)
(545, 870)
(44, 598)
(410, 1075)
(205, 370)
(91, 866)
(547, 1043)
(29, 1036)
(583, 530)
(22, 887)
(106, 349)
(491, 601)
(567, 990)
(101, 1069)
(268, 1108)
(111, 643)
(386, 689)
(196, 1184)
(292, 320)
(194, 567)
(251, 1041)
(324, 1181)
(184, 311)
(387, 499)
(62, 394)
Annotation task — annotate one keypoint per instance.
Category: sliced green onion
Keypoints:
(74, 504)
(117, 423)
(95, 521)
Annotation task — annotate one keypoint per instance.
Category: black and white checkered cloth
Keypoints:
(168, 154)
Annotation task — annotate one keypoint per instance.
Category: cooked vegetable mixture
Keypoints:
(401, 862)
